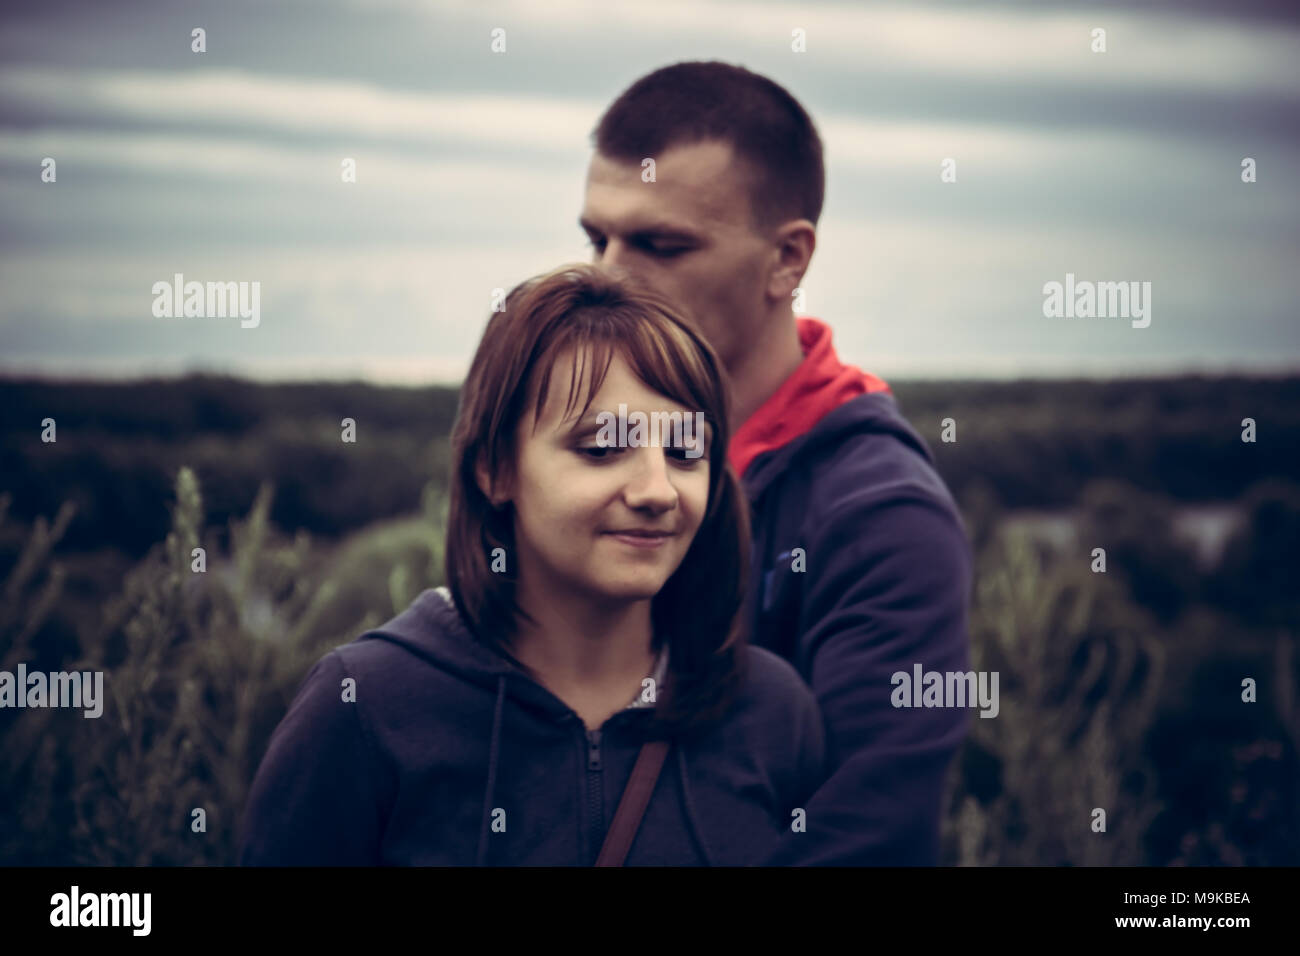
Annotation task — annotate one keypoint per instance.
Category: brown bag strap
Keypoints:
(632, 806)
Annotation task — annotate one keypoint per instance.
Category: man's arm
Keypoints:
(888, 586)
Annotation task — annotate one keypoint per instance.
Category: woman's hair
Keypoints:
(597, 313)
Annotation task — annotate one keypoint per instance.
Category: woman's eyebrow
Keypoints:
(578, 425)
(581, 427)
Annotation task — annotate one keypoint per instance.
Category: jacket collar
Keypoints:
(819, 385)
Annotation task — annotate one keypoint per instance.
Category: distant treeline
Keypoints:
(1024, 443)
(1036, 444)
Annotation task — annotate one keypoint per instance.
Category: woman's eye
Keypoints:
(680, 454)
(597, 452)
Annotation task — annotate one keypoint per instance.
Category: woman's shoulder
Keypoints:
(772, 685)
(771, 668)
(419, 645)
(775, 719)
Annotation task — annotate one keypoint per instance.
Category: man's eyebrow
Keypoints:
(657, 230)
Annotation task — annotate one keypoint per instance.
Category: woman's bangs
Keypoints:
(665, 358)
(592, 356)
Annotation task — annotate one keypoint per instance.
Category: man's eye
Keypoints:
(669, 251)
(596, 243)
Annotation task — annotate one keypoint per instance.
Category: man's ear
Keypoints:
(795, 242)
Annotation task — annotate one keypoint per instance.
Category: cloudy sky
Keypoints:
(225, 165)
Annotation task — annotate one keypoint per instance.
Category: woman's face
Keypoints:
(603, 523)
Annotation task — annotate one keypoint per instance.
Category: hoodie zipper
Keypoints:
(595, 803)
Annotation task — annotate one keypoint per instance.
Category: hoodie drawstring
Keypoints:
(691, 823)
(481, 858)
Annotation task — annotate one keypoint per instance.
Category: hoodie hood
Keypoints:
(431, 628)
(873, 413)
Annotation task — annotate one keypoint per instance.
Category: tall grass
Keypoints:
(1079, 677)
(199, 667)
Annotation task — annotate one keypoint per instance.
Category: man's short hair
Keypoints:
(689, 102)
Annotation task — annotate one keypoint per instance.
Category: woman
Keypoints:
(593, 606)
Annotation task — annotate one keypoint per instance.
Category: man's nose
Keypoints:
(618, 256)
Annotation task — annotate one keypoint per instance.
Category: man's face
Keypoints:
(689, 235)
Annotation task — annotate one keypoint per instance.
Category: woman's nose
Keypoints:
(650, 483)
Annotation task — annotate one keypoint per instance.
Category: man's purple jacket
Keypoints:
(861, 569)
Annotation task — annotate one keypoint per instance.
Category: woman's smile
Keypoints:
(641, 538)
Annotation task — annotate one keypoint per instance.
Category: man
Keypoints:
(861, 567)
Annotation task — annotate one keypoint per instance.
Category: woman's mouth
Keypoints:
(641, 538)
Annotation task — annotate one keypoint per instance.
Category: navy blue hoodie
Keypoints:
(451, 755)
(861, 568)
